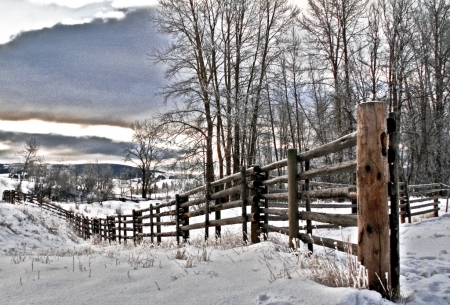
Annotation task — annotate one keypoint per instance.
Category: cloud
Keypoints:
(97, 72)
(57, 147)
(114, 133)
(110, 15)
(134, 3)
(66, 3)
(20, 16)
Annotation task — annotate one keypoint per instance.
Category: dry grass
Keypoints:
(333, 269)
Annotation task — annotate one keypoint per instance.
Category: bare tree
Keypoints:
(146, 150)
(331, 27)
(29, 157)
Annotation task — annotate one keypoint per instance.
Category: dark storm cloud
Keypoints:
(95, 73)
(63, 147)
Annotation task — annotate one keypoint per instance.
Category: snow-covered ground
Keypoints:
(42, 262)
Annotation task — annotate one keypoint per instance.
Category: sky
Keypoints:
(74, 75)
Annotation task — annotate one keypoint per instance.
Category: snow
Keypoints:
(43, 262)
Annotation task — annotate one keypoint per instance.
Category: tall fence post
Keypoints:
(218, 215)
(124, 226)
(262, 190)
(408, 204)
(373, 217)
(119, 227)
(436, 204)
(207, 200)
(292, 195)
(151, 224)
(158, 226)
(179, 217)
(448, 195)
(185, 220)
(133, 221)
(244, 198)
(308, 207)
(402, 202)
(254, 209)
(354, 201)
(394, 196)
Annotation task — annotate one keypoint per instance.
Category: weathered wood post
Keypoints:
(184, 220)
(254, 209)
(261, 189)
(119, 227)
(140, 227)
(244, 198)
(151, 224)
(436, 204)
(308, 207)
(158, 226)
(292, 196)
(372, 174)
(354, 202)
(448, 195)
(394, 198)
(134, 222)
(217, 213)
(408, 203)
(124, 226)
(208, 191)
(402, 203)
(112, 228)
(178, 216)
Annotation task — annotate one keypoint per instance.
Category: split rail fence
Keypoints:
(281, 197)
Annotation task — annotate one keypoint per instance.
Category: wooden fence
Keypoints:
(413, 197)
(264, 201)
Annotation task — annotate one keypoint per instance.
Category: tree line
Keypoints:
(249, 79)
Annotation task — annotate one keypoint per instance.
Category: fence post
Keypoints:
(308, 207)
(217, 213)
(158, 226)
(394, 196)
(244, 198)
(436, 204)
(101, 229)
(177, 218)
(111, 231)
(119, 227)
(448, 195)
(373, 217)
(134, 226)
(151, 223)
(124, 226)
(207, 199)
(354, 202)
(141, 227)
(254, 209)
(292, 195)
(408, 204)
(185, 220)
(261, 189)
(402, 203)
(80, 225)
